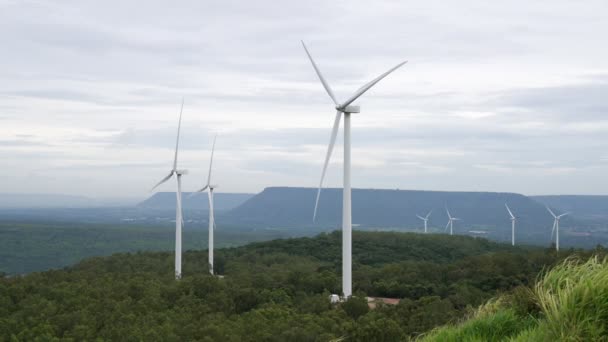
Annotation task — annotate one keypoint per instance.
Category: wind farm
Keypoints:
(454, 192)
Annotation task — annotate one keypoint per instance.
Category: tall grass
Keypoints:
(568, 303)
(573, 297)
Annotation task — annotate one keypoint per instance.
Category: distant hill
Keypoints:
(285, 205)
(592, 207)
(222, 201)
(483, 211)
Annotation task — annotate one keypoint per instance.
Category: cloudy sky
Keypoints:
(496, 96)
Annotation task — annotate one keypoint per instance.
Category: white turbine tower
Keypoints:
(512, 225)
(450, 222)
(179, 222)
(425, 219)
(346, 109)
(211, 217)
(556, 227)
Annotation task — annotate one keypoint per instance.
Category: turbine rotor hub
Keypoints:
(349, 109)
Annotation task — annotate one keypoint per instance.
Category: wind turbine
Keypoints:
(556, 227)
(512, 225)
(179, 222)
(425, 219)
(211, 218)
(450, 222)
(347, 109)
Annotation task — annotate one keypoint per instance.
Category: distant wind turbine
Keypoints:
(211, 217)
(512, 225)
(556, 227)
(179, 221)
(347, 109)
(450, 222)
(425, 219)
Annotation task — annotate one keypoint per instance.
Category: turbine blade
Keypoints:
(509, 210)
(192, 194)
(179, 126)
(420, 217)
(211, 162)
(551, 212)
(163, 180)
(446, 226)
(367, 86)
(321, 78)
(429, 214)
(446, 209)
(332, 140)
(564, 214)
(553, 230)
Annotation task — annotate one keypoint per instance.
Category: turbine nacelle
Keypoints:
(349, 109)
(181, 172)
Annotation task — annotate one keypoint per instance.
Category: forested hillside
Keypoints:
(272, 291)
(31, 247)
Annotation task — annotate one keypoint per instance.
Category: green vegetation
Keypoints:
(568, 303)
(31, 247)
(278, 291)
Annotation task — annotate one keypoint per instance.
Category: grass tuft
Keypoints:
(568, 303)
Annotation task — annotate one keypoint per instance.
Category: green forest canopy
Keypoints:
(272, 291)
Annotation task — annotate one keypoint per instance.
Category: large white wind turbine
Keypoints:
(512, 225)
(347, 109)
(211, 218)
(450, 222)
(425, 219)
(179, 222)
(556, 227)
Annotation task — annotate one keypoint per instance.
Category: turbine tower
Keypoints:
(347, 109)
(556, 227)
(425, 219)
(450, 222)
(179, 222)
(512, 225)
(211, 217)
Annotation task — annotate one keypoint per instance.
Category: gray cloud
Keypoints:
(496, 96)
(578, 102)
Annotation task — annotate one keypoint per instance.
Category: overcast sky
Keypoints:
(496, 96)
